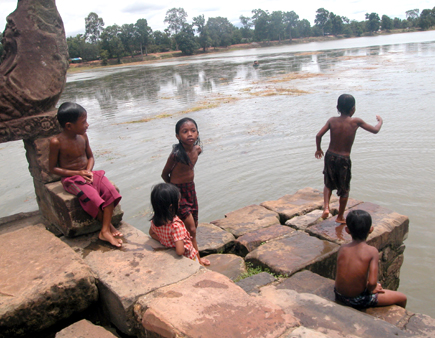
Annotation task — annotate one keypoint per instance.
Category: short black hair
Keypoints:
(164, 199)
(69, 112)
(359, 223)
(345, 103)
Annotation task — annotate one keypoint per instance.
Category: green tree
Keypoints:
(247, 24)
(94, 26)
(372, 22)
(336, 23)
(261, 22)
(202, 29)
(162, 40)
(304, 28)
(412, 16)
(220, 30)
(427, 18)
(175, 18)
(127, 36)
(79, 47)
(142, 35)
(111, 41)
(322, 16)
(386, 23)
(277, 26)
(185, 39)
(357, 27)
(291, 19)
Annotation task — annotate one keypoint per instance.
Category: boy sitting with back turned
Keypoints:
(71, 158)
(337, 170)
(357, 268)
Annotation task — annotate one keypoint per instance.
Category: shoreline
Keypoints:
(155, 57)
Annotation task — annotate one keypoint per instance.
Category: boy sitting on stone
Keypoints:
(357, 268)
(71, 158)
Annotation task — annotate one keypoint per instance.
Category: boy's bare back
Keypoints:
(343, 130)
(357, 269)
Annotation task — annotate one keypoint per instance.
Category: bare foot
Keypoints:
(114, 231)
(107, 237)
(205, 261)
(325, 214)
(340, 220)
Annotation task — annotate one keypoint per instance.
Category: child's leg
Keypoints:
(114, 231)
(389, 297)
(326, 198)
(341, 208)
(191, 226)
(106, 233)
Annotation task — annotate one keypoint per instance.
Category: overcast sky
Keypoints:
(74, 12)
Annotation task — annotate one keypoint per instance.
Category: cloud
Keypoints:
(141, 7)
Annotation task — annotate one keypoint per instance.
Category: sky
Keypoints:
(74, 12)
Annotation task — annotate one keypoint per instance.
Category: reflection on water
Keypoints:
(258, 127)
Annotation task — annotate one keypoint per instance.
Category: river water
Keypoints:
(258, 128)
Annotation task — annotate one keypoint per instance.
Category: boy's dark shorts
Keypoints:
(364, 300)
(188, 201)
(337, 173)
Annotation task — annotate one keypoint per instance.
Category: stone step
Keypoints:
(212, 239)
(84, 329)
(42, 281)
(229, 265)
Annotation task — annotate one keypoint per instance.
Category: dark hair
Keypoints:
(178, 149)
(69, 112)
(345, 103)
(359, 223)
(164, 199)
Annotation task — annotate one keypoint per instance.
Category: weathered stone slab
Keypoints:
(300, 203)
(247, 219)
(255, 282)
(84, 329)
(421, 325)
(252, 240)
(42, 281)
(63, 209)
(331, 319)
(141, 266)
(304, 221)
(209, 304)
(288, 255)
(390, 228)
(231, 266)
(351, 203)
(393, 314)
(303, 332)
(212, 239)
(309, 282)
(37, 152)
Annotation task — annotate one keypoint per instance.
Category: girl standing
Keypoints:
(179, 171)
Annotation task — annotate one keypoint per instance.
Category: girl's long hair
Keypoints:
(178, 149)
(164, 199)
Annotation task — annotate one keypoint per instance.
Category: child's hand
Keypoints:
(87, 175)
(378, 118)
(378, 289)
(319, 154)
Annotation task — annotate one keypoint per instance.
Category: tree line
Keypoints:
(100, 42)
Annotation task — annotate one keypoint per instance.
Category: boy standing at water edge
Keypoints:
(71, 158)
(337, 170)
(357, 268)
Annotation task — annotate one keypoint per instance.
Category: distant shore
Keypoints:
(153, 57)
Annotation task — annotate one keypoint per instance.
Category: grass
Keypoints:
(252, 271)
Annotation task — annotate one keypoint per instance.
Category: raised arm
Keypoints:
(319, 152)
(170, 164)
(369, 127)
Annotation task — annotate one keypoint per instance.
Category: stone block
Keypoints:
(37, 152)
(289, 255)
(141, 266)
(210, 305)
(42, 282)
(63, 209)
(331, 319)
(231, 266)
(309, 282)
(351, 203)
(393, 314)
(421, 325)
(252, 240)
(255, 282)
(300, 203)
(84, 329)
(303, 332)
(247, 219)
(304, 221)
(390, 228)
(212, 239)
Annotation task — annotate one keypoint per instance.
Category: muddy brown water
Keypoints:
(258, 128)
